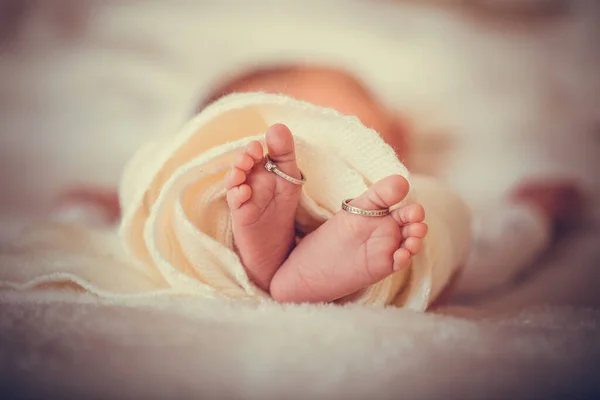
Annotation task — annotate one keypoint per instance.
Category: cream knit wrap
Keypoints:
(176, 226)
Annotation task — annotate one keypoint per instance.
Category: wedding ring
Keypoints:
(360, 211)
(272, 167)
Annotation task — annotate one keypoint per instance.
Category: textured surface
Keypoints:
(183, 349)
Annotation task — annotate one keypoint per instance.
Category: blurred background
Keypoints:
(492, 92)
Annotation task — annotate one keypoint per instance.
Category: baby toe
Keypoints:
(417, 230)
(244, 161)
(237, 196)
(383, 194)
(413, 213)
(402, 259)
(280, 143)
(255, 150)
(234, 178)
(413, 245)
(281, 148)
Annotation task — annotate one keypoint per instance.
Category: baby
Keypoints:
(368, 248)
(355, 248)
(350, 251)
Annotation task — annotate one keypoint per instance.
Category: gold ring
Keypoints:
(366, 213)
(272, 167)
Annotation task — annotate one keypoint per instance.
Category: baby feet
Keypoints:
(347, 253)
(350, 252)
(263, 205)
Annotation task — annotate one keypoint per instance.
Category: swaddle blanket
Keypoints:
(176, 227)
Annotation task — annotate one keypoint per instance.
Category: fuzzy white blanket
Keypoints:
(85, 88)
(182, 349)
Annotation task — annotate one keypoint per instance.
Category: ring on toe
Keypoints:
(272, 167)
(361, 211)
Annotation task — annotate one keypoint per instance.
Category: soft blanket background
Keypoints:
(83, 84)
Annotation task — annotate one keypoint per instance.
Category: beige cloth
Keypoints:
(176, 226)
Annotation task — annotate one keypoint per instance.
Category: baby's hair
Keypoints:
(232, 84)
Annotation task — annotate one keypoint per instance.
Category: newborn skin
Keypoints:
(263, 208)
(346, 254)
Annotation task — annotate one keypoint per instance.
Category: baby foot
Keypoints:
(350, 252)
(263, 205)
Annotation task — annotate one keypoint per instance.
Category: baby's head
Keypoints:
(327, 87)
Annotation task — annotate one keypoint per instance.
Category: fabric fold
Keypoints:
(176, 224)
